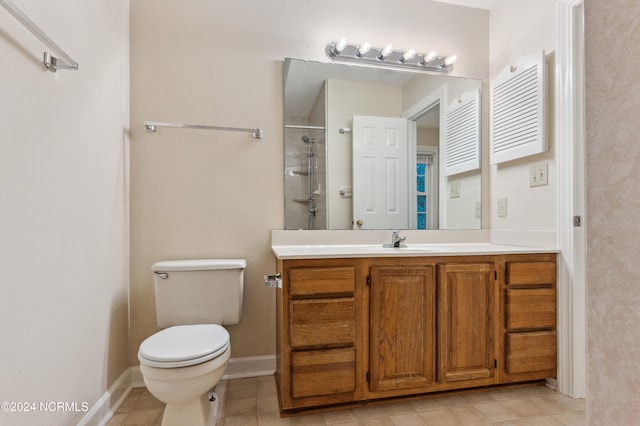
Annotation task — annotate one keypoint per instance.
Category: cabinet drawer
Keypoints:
(531, 308)
(323, 372)
(531, 352)
(530, 273)
(325, 281)
(325, 322)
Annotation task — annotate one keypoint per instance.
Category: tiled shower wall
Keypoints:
(296, 185)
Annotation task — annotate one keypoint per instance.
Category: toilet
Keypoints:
(182, 362)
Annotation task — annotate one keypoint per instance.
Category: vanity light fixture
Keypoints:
(365, 54)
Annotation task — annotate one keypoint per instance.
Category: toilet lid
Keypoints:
(184, 345)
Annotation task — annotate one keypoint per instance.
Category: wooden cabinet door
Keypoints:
(466, 327)
(402, 327)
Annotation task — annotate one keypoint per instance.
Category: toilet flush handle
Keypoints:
(162, 275)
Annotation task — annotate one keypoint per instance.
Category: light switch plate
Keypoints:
(502, 207)
(538, 175)
(454, 190)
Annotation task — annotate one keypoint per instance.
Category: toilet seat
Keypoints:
(184, 345)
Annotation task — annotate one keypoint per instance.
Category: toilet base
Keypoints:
(195, 413)
(185, 390)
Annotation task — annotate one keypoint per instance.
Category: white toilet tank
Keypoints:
(200, 291)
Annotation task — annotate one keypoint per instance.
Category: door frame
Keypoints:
(436, 97)
(569, 119)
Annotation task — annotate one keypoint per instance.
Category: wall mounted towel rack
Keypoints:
(52, 63)
(151, 126)
(293, 126)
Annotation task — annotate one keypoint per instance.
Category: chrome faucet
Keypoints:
(396, 240)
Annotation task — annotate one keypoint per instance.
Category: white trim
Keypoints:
(250, 366)
(434, 185)
(108, 404)
(570, 141)
(237, 368)
(437, 97)
(137, 381)
(412, 151)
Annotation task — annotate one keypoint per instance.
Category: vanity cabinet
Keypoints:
(357, 329)
(528, 317)
(317, 333)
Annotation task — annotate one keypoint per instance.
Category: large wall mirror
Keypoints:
(369, 148)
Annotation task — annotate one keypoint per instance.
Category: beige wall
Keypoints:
(613, 201)
(63, 209)
(216, 194)
(520, 28)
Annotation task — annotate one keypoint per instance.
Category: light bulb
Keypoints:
(364, 48)
(341, 44)
(386, 51)
(450, 60)
(408, 54)
(428, 58)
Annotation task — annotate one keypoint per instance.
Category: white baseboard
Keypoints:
(250, 366)
(237, 368)
(108, 404)
(136, 377)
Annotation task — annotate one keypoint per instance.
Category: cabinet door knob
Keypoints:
(359, 222)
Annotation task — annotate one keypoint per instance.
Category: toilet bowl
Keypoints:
(182, 362)
(180, 365)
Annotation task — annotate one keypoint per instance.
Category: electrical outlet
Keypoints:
(454, 190)
(502, 207)
(538, 175)
(478, 209)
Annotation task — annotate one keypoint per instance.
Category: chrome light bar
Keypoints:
(365, 54)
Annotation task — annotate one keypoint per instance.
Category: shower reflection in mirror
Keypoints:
(305, 173)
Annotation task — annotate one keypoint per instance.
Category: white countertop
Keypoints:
(323, 251)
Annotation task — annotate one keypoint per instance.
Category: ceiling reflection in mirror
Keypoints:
(369, 148)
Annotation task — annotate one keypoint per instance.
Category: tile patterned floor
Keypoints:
(253, 402)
